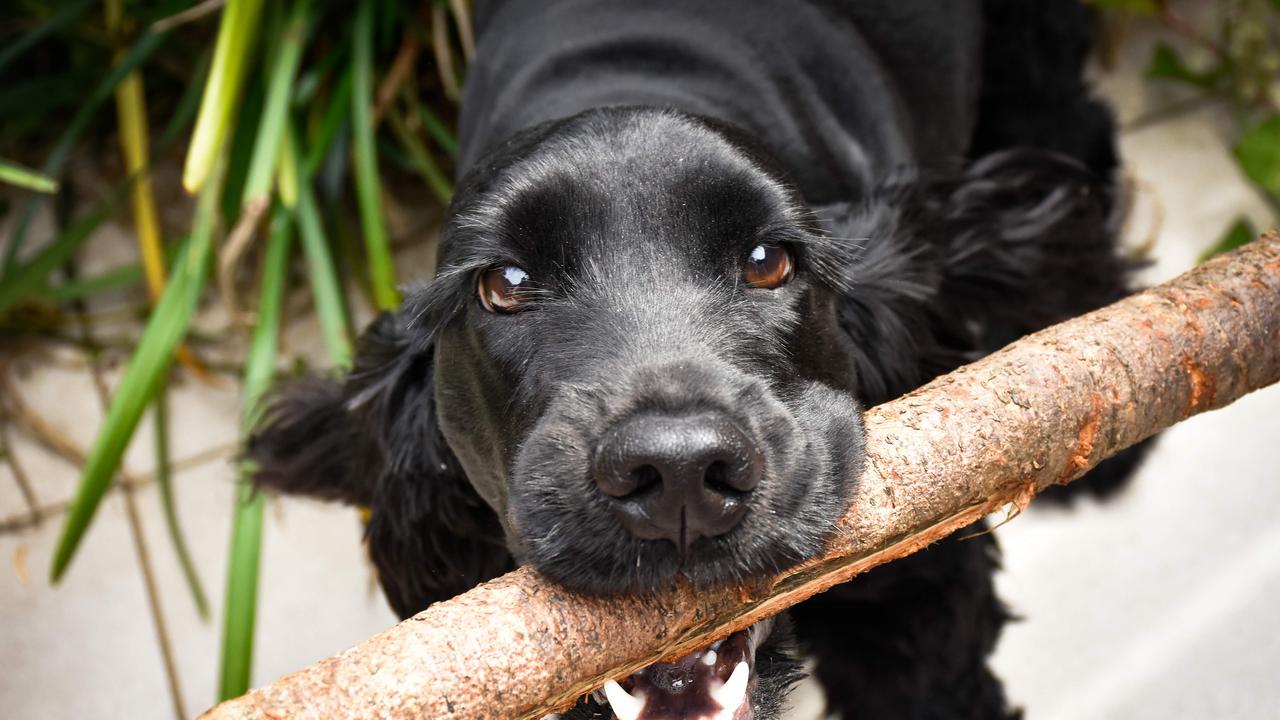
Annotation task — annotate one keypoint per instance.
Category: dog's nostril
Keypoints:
(716, 478)
(644, 479)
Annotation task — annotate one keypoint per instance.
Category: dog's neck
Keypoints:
(763, 66)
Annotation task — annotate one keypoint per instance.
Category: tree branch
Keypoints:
(988, 436)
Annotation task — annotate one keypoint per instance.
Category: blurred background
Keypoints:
(196, 197)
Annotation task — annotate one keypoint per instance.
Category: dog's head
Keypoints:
(638, 361)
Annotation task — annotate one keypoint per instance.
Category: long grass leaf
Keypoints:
(325, 286)
(337, 113)
(240, 616)
(164, 480)
(144, 375)
(131, 116)
(420, 158)
(34, 274)
(185, 111)
(377, 245)
(134, 139)
(284, 70)
(287, 175)
(240, 146)
(25, 177)
(246, 533)
(230, 57)
(85, 287)
(435, 127)
(145, 46)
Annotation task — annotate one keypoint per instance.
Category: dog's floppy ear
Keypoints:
(372, 440)
(887, 286)
(307, 443)
(938, 271)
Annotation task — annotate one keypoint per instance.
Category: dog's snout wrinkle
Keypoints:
(678, 478)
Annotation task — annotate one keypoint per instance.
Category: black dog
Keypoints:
(692, 241)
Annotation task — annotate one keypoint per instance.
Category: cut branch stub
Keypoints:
(1042, 411)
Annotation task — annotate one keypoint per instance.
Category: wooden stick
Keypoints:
(990, 435)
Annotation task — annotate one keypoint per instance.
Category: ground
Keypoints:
(1159, 604)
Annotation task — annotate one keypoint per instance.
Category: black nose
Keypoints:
(677, 477)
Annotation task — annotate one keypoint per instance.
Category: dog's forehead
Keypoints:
(604, 187)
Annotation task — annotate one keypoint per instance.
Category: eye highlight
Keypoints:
(769, 266)
(504, 289)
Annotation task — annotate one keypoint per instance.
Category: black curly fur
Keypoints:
(371, 440)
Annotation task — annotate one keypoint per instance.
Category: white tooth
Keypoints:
(709, 658)
(625, 705)
(734, 690)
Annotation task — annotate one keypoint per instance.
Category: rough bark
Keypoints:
(988, 436)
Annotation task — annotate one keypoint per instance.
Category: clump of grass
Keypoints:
(1225, 53)
(287, 100)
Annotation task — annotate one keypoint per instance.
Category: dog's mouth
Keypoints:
(713, 683)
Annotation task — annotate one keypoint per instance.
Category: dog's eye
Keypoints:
(504, 289)
(769, 266)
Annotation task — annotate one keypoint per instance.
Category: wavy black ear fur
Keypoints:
(372, 440)
(946, 270)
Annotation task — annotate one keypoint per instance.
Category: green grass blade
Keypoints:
(287, 174)
(336, 59)
(436, 127)
(241, 612)
(164, 480)
(69, 14)
(284, 70)
(189, 102)
(333, 119)
(420, 158)
(144, 375)
(246, 532)
(377, 245)
(231, 55)
(240, 145)
(325, 286)
(86, 287)
(135, 146)
(33, 275)
(25, 177)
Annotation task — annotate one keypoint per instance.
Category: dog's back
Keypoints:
(842, 93)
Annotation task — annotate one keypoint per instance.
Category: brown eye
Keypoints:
(768, 267)
(504, 289)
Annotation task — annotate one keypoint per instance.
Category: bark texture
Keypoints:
(988, 436)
